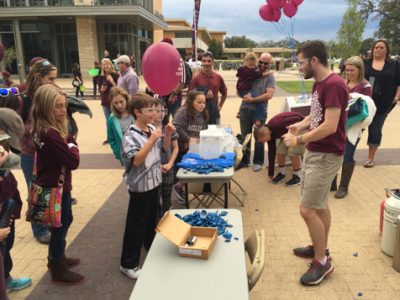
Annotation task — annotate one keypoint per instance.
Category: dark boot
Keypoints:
(71, 262)
(347, 172)
(334, 184)
(62, 275)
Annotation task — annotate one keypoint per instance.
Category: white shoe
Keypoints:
(131, 273)
(257, 167)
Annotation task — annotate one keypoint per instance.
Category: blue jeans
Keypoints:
(349, 150)
(246, 126)
(375, 130)
(27, 168)
(107, 112)
(58, 235)
(7, 244)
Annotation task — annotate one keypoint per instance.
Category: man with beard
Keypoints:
(262, 90)
(324, 141)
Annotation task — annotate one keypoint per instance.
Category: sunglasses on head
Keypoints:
(45, 63)
(4, 92)
(209, 54)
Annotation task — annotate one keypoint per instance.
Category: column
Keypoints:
(86, 31)
(19, 50)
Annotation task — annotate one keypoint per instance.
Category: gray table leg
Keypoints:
(226, 194)
(187, 195)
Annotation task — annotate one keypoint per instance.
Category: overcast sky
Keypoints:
(314, 19)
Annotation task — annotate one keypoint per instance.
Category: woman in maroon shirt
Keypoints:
(356, 83)
(55, 150)
(108, 78)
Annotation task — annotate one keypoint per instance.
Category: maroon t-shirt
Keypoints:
(278, 126)
(364, 88)
(213, 82)
(53, 153)
(331, 92)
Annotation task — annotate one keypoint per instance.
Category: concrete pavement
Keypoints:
(99, 217)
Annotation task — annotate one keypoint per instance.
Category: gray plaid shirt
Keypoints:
(147, 176)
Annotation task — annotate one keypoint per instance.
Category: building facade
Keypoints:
(78, 31)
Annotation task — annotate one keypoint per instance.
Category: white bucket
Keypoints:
(391, 213)
(211, 143)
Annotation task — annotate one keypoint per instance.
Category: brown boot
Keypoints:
(71, 262)
(62, 275)
(347, 172)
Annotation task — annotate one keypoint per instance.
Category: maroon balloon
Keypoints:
(277, 15)
(266, 12)
(161, 67)
(278, 4)
(297, 2)
(289, 9)
(2, 50)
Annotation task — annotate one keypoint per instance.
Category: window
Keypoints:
(181, 35)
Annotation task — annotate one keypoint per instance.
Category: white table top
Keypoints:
(187, 176)
(168, 276)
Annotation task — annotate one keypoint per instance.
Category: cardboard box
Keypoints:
(178, 232)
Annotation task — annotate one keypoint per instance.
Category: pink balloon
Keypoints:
(161, 67)
(276, 3)
(289, 9)
(277, 15)
(297, 2)
(266, 12)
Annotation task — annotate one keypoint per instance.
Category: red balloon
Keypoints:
(267, 12)
(161, 67)
(277, 15)
(276, 3)
(297, 2)
(289, 9)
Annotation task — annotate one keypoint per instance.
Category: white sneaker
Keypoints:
(257, 167)
(131, 273)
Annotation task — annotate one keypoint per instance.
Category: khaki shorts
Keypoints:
(317, 173)
(281, 148)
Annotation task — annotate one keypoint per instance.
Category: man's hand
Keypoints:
(209, 94)
(289, 139)
(247, 98)
(219, 107)
(294, 129)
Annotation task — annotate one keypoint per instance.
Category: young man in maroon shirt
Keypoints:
(211, 83)
(270, 133)
(324, 141)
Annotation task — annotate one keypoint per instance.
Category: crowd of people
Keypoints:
(149, 135)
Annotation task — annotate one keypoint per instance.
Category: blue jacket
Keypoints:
(114, 136)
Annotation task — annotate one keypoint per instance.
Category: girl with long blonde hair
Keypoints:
(56, 155)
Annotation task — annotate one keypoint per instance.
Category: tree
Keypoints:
(388, 13)
(366, 45)
(380, 8)
(215, 48)
(350, 31)
(236, 41)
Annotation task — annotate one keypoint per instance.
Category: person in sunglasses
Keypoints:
(211, 84)
(41, 72)
(262, 90)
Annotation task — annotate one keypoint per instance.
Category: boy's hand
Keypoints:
(4, 232)
(155, 135)
(193, 140)
(247, 98)
(166, 168)
(169, 129)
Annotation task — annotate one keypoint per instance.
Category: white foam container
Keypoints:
(211, 142)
